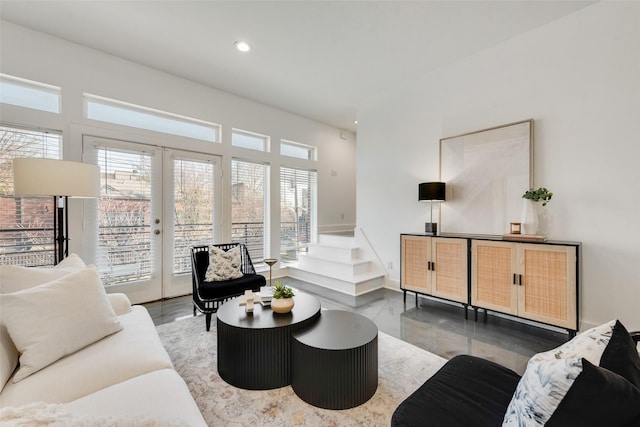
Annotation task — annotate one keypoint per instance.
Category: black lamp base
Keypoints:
(431, 228)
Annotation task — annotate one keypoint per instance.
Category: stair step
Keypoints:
(336, 240)
(335, 253)
(359, 285)
(332, 267)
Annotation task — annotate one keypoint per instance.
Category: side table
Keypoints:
(254, 349)
(334, 362)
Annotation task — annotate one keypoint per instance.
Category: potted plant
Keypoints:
(530, 220)
(282, 300)
(540, 195)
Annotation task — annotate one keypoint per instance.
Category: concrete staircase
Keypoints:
(342, 263)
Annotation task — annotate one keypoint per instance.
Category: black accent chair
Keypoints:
(467, 391)
(208, 296)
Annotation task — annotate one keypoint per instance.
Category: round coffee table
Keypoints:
(334, 362)
(254, 349)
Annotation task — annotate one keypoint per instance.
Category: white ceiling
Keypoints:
(318, 59)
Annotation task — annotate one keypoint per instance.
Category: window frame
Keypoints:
(38, 91)
(167, 119)
(312, 151)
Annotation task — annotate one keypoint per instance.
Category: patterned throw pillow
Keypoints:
(573, 392)
(550, 376)
(540, 391)
(590, 344)
(223, 265)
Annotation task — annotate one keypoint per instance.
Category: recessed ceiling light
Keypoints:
(242, 46)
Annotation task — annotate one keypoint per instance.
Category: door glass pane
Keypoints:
(297, 207)
(124, 216)
(248, 206)
(26, 223)
(193, 196)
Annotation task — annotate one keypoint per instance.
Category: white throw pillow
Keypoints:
(72, 263)
(50, 321)
(223, 265)
(14, 278)
(8, 356)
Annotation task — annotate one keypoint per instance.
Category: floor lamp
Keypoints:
(60, 179)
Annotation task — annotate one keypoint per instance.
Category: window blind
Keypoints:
(248, 206)
(26, 223)
(297, 211)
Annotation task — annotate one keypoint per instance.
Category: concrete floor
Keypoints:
(433, 325)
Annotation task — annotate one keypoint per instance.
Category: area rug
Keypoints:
(402, 368)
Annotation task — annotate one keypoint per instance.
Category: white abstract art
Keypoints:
(486, 173)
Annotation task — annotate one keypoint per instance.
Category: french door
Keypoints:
(156, 203)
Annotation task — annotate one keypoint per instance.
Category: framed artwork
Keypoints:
(486, 173)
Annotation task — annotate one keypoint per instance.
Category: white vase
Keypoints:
(529, 217)
(282, 305)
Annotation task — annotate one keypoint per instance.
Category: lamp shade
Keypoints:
(431, 191)
(49, 177)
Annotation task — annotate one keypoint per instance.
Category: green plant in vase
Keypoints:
(530, 212)
(282, 300)
(540, 195)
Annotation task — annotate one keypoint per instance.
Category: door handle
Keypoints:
(156, 231)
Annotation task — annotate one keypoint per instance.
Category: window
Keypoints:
(297, 211)
(249, 140)
(26, 223)
(29, 94)
(121, 113)
(193, 201)
(297, 150)
(124, 216)
(248, 203)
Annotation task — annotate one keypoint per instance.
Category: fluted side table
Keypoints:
(254, 349)
(334, 362)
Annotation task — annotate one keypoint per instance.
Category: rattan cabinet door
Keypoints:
(493, 284)
(449, 269)
(415, 252)
(548, 291)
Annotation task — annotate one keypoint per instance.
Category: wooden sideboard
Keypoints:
(538, 281)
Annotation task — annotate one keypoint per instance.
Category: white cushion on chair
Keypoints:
(223, 265)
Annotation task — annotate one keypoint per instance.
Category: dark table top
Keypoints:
(338, 330)
(233, 314)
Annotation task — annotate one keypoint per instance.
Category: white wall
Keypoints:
(76, 69)
(579, 79)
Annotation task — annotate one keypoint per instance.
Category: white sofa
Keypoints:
(126, 377)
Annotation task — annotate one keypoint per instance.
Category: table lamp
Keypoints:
(431, 192)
